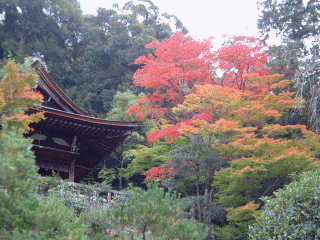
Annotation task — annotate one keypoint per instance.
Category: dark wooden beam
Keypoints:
(71, 171)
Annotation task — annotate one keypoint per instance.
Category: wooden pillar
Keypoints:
(71, 171)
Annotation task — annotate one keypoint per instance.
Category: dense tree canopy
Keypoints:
(292, 19)
(296, 22)
(244, 114)
(216, 126)
(48, 29)
(179, 63)
(90, 57)
(237, 56)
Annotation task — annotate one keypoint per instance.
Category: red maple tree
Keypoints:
(178, 65)
(172, 71)
(243, 115)
(159, 173)
(240, 55)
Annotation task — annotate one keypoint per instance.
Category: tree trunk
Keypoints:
(144, 232)
(198, 200)
(211, 195)
(208, 199)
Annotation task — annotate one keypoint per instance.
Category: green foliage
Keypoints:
(144, 158)
(196, 162)
(24, 67)
(81, 197)
(291, 19)
(240, 218)
(23, 215)
(156, 211)
(70, 199)
(297, 24)
(293, 212)
(261, 170)
(90, 57)
(188, 230)
(117, 173)
(111, 42)
(108, 175)
(238, 221)
(55, 220)
(97, 220)
(263, 179)
(146, 210)
(194, 165)
(120, 103)
(18, 174)
(47, 29)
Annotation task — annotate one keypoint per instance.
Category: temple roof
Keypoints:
(47, 86)
(68, 133)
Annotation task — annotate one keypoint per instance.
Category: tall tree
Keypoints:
(90, 57)
(246, 125)
(291, 19)
(195, 165)
(119, 159)
(169, 75)
(48, 29)
(244, 114)
(240, 55)
(177, 68)
(111, 42)
(297, 23)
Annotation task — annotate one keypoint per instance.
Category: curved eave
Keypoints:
(96, 138)
(57, 90)
(85, 119)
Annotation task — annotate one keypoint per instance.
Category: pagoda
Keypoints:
(68, 141)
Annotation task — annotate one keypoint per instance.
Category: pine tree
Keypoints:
(18, 174)
(156, 211)
(22, 214)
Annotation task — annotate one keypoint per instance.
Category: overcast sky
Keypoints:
(203, 18)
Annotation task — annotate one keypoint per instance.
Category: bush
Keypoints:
(188, 230)
(97, 220)
(293, 213)
(239, 219)
(154, 212)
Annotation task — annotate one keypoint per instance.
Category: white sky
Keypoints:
(203, 18)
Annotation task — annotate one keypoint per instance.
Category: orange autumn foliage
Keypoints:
(158, 173)
(170, 73)
(183, 97)
(17, 96)
(244, 113)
